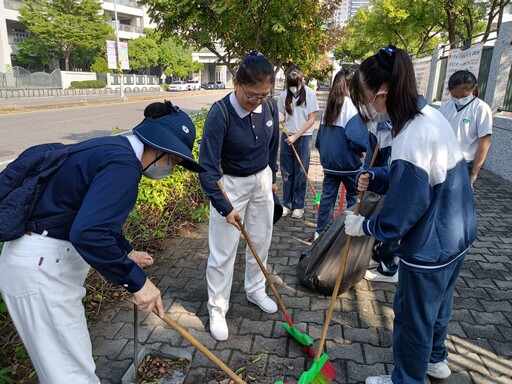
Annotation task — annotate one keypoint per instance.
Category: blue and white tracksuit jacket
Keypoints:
(340, 144)
(429, 204)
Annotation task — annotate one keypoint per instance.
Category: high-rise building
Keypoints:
(348, 9)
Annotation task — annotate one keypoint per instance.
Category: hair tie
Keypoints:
(344, 71)
(253, 53)
(159, 109)
(386, 57)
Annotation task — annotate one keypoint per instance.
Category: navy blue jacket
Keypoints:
(246, 147)
(341, 143)
(100, 185)
(429, 204)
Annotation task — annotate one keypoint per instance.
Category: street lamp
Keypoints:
(118, 52)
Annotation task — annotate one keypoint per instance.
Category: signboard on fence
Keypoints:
(111, 54)
(422, 72)
(458, 59)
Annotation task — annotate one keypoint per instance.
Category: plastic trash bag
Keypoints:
(319, 265)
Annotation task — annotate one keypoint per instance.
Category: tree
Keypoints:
(463, 18)
(143, 53)
(285, 31)
(173, 55)
(63, 27)
(495, 15)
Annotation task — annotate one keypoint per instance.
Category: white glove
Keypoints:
(354, 224)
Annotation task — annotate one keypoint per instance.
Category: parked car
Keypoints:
(211, 85)
(193, 85)
(215, 85)
(178, 86)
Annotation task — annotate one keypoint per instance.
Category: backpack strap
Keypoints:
(224, 110)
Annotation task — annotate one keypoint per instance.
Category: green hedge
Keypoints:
(88, 84)
(164, 206)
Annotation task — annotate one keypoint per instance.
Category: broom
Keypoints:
(322, 371)
(303, 339)
(342, 199)
(192, 340)
(317, 196)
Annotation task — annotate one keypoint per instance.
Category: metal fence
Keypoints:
(20, 78)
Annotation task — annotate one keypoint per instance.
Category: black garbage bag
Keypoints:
(319, 265)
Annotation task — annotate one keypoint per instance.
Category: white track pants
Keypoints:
(41, 281)
(252, 198)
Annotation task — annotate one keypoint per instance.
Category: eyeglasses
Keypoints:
(255, 99)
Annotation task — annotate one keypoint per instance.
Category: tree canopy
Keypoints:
(286, 31)
(61, 28)
(416, 25)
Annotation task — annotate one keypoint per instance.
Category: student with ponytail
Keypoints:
(341, 140)
(429, 207)
(298, 104)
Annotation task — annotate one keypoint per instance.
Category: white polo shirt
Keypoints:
(295, 122)
(469, 123)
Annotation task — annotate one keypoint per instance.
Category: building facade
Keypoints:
(132, 19)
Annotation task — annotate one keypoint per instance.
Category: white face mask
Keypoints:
(462, 101)
(295, 90)
(379, 117)
(156, 172)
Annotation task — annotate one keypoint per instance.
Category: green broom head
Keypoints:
(316, 201)
(302, 338)
(314, 374)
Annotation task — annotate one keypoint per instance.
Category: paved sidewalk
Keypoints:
(359, 338)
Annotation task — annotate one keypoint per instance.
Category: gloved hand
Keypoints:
(354, 224)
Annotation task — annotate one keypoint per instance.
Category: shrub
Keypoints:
(88, 84)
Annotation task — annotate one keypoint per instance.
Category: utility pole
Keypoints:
(120, 70)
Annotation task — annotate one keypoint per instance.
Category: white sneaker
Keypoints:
(372, 264)
(374, 275)
(297, 213)
(265, 303)
(316, 236)
(286, 211)
(219, 328)
(382, 379)
(439, 370)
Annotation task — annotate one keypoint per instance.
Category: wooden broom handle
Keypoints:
(341, 271)
(299, 160)
(192, 340)
(258, 260)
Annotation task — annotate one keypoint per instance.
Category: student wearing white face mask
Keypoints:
(470, 118)
(298, 104)
(77, 224)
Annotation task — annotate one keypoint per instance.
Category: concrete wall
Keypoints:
(67, 77)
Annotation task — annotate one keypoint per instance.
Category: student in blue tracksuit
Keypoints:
(341, 140)
(428, 206)
(42, 274)
(384, 254)
(241, 152)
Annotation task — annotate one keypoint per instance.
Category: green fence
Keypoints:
(507, 103)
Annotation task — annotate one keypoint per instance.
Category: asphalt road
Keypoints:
(19, 131)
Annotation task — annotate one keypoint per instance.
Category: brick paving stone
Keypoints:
(360, 333)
